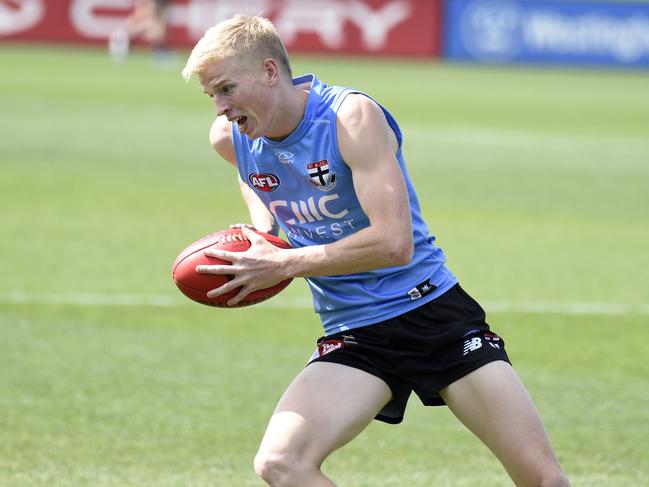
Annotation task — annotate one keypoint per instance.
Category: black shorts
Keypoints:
(423, 350)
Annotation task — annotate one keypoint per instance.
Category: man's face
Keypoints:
(240, 91)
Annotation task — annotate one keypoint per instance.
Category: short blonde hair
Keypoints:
(252, 38)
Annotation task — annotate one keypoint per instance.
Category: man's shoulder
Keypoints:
(358, 108)
(221, 138)
(356, 101)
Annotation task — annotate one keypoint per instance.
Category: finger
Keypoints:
(251, 236)
(221, 254)
(241, 225)
(226, 288)
(217, 269)
(233, 284)
(243, 292)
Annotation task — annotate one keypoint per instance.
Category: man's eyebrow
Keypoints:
(214, 86)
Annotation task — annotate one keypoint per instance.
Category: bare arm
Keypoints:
(369, 147)
(262, 219)
(220, 138)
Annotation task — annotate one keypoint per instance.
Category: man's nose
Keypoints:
(222, 106)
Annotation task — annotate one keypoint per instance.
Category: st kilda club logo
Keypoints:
(321, 176)
(264, 181)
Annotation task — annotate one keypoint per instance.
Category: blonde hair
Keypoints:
(250, 38)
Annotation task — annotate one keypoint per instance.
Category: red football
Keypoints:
(195, 286)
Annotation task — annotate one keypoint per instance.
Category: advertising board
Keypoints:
(505, 31)
(384, 27)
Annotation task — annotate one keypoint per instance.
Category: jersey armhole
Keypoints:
(392, 123)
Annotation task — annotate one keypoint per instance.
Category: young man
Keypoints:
(325, 164)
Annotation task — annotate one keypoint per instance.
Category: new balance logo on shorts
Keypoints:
(471, 345)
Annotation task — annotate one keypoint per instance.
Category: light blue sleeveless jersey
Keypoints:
(306, 184)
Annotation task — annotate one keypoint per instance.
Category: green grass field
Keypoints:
(536, 182)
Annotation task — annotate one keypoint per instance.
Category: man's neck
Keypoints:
(292, 112)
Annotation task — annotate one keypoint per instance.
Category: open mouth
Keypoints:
(241, 123)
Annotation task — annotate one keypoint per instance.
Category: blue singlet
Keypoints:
(307, 186)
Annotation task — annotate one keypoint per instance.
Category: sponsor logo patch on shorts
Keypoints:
(329, 346)
(492, 339)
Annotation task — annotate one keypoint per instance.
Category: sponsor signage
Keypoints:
(506, 31)
(385, 27)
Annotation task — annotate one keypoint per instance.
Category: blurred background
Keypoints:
(573, 33)
(527, 138)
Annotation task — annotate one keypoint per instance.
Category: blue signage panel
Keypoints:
(503, 31)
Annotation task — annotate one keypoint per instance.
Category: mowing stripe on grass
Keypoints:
(167, 300)
(566, 151)
(521, 138)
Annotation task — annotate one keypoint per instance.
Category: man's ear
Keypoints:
(271, 70)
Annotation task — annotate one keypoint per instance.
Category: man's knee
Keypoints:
(280, 469)
(274, 469)
(550, 475)
(554, 477)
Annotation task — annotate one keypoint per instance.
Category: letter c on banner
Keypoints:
(90, 24)
(16, 20)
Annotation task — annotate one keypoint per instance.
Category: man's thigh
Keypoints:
(492, 402)
(326, 406)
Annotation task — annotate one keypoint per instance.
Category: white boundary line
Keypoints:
(170, 301)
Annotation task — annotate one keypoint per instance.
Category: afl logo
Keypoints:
(264, 181)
